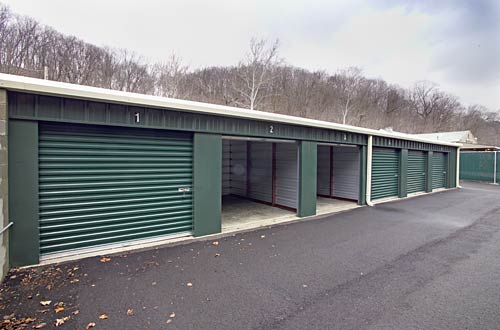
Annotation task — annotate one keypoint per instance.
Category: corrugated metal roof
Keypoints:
(48, 87)
(458, 136)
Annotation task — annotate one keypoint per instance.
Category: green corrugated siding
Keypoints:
(416, 171)
(385, 168)
(477, 166)
(439, 170)
(99, 188)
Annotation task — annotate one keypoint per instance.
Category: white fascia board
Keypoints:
(48, 87)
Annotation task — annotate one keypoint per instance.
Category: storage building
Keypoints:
(87, 168)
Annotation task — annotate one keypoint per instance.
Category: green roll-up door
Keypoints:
(439, 170)
(98, 187)
(416, 171)
(385, 169)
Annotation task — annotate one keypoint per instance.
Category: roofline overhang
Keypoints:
(55, 88)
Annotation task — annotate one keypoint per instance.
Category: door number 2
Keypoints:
(271, 129)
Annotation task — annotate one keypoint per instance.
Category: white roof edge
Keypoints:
(27, 84)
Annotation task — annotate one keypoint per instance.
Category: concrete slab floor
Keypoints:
(240, 213)
(329, 205)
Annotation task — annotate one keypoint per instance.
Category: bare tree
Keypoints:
(256, 71)
(168, 76)
(347, 85)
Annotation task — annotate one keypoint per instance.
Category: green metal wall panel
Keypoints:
(403, 173)
(385, 169)
(477, 166)
(439, 170)
(23, 192)
(107, 186)
(307, 178)
(417, 168)
(363, 154)
(428, 183)
(207, 183)
(58, 109)
(451, 181)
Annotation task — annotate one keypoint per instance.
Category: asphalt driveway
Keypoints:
(430, 262)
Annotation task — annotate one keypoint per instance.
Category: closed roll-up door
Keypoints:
(286, 174)
(238, 168)
(385, 169)
(416, 171)
(261, 171)
(226, 167)
(97, 187)
(438, 170)
(324, 168)
(345, 172)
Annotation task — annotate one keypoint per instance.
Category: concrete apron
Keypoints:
(184, 238)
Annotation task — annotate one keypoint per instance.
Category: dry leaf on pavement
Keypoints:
(104, 259)
(39, 326)
(130, 312)
(103, 316)
(215, 243)
(90, 325)
(189, 284)
(172, 315)
(61, 321)
(59, 309)
(45, 302)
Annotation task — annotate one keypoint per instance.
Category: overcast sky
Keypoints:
(454, 43)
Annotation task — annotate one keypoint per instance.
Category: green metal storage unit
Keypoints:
(416, 175)
(92, 167)
(385, 169)
(439, 170)
(102, 186)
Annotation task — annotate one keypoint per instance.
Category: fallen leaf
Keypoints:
(262, 236)
(215, 243)
(45, 302)
(60, 304)
(189, 284)
(59, 309)
(172, 315)
(39, 326)
(103, 316)
(13, 277)
(90, 325)
(76, 312)
(169, 321)
(130, 312)
(217, 255)
(8, 317)
(74, 281)
(104, 259)
(61, 321)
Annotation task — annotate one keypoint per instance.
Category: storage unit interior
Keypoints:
(259, 181)
(338, 172)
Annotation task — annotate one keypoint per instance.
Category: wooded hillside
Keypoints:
(261, 81)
